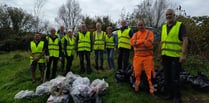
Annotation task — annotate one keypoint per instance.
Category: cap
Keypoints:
(69, 30)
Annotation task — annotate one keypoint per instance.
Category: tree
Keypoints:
(38, 24)
(91, 22)
(69, 15)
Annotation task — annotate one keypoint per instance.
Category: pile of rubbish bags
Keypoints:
(199, 82)
(62, 88)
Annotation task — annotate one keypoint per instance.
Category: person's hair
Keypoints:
(172, 10)
(109, 27)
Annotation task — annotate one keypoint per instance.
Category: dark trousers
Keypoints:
(123, 58)
(54, 68)
(69, 63)
(81, 56)
(99, 54)
(171, 67)
(62, 62)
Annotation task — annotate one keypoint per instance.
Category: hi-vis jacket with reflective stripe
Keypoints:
(110, 43)
(84, 41)
(124, 39)
(70, 47)
(99, 41)
(171, 45)
(142, 42)
(37, 50)
(53, 47)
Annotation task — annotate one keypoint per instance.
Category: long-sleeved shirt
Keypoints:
(142, 42)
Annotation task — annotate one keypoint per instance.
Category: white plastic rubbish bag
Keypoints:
(58, 99)
(24, 94)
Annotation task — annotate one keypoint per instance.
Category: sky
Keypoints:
(111, 8)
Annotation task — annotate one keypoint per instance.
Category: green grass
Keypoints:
(15, 76)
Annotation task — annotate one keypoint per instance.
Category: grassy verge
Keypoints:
(15, 76)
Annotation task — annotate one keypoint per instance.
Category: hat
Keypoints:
(69, 30)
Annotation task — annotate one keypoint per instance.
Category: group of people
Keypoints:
(172, 51)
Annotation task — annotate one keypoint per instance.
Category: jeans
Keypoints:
(123, 58)
(62, 62)
(99, 53)
(110, 57)
(81, 56)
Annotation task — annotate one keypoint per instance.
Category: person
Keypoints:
(142, 42)
(61, 35)
(99, 45)
(53, 50)
(84, 48)
(172, 52)
(110, 45)
(37, 52)
(69, 49)
(124, 35)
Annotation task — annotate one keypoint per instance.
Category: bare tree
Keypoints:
(38, 5)
(69, 15)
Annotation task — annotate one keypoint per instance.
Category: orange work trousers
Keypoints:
(146, 63)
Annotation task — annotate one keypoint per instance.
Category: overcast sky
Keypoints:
(111, 8)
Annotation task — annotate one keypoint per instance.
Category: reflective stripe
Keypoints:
(99, 41)
(37, 50)
(171, 45)
(124, 39)
(143, 50)
(70, 46)
(170, 42)
(84, 41)
(172, 50)
(53, 47)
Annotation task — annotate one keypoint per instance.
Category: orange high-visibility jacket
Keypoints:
(142, 42)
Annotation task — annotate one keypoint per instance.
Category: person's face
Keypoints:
(37, 37)
(123, 23)
(83, 28)
(69, 33)
(98, 26)
(170, 16)
(109, 30)
(62, 29)
(52, 31)
(141, 26)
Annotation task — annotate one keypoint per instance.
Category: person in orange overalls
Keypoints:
(142, 42)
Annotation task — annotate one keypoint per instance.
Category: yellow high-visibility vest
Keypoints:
(171, 45)
(37, 50)
(110, 42)
(99, 41)
(70, 46)
(124, 39)
(53, 47)
(84, 42)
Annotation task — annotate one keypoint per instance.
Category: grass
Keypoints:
(15, 76)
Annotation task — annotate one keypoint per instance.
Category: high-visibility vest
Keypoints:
(37, 50)
(62, 39)
(84, 42)
(124, 39)
(171, 45)
(70, 46)
(110, 41)
(53, 47)
(99, 41)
